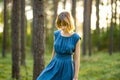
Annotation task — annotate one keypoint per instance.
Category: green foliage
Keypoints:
(1, 17)
(49, 41)
(8, 40)
(28, 34)
(0, 40)
(1, 1)
(104, 39)
(6, 68)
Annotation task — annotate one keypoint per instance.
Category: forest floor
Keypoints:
(100, 66)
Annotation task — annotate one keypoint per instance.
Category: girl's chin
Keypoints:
(63, 29)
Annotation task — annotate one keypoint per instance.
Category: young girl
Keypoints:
(65, 61)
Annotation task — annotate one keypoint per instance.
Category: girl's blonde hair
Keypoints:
(65, 19)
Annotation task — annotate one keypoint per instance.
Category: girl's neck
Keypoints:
(66, 33)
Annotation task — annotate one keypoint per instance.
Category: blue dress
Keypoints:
(61, 66)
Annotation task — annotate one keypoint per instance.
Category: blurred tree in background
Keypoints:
(15, 34)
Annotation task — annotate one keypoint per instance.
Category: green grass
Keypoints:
(100, 66)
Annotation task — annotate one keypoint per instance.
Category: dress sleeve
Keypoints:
(77, 37)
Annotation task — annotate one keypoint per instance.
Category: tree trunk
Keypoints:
(55, 7)
(119, 33)
(115, 13)
(111, 31)
(15, 33)
(87, 26)
(84, 30)
(5, 30)
(97, 24)
(74, 11)
(32, 30)
(23, 32)
(38, 37)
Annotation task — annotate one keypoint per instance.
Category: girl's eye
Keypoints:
(65, 24)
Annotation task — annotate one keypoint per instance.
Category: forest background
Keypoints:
(26, 37)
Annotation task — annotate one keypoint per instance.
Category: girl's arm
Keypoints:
(53, 53)
(76, 58)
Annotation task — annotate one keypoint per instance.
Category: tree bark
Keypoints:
(55, 7)
(5, 30)
(115, 14)
(38, 37)
(23, 32)
(97, 24)
(15, 33)
(74, 11)
(111, 30)
(87, 26)
(119, 32)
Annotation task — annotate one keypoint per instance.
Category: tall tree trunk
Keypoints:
(97, 24)
(15, 33)
(38, 37)
(87, 26)
(111, 31)
(46, 20)
(84, 49)
(74, 11)
(22, 32)
(55, 8)
(32, 30)
(107, 20)
(119, 33)
(5, 30)
(115, 14)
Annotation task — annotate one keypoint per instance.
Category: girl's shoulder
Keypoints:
(56, 32)
(76, 35)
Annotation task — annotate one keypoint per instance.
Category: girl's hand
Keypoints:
(75, 78)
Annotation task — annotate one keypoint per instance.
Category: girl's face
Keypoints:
(64, 27)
